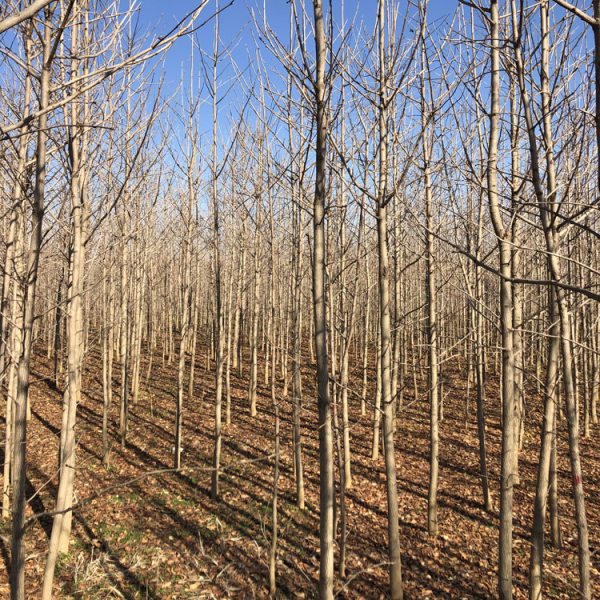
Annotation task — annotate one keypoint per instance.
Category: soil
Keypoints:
(144, 531)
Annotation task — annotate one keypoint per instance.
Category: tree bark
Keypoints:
(431, 292)
(216, 248)
(396, 592)
(506, 318)
(547, 440)
(17, 565)
(326, 494)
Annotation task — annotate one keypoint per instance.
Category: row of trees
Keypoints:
(421, 161)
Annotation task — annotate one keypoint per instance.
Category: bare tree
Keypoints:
(547, 200)
(384, 313)
(431, 293)
(503, 234)
(326, 500)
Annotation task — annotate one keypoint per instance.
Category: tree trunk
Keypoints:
(326, 496)
(61, 526)
(506, 318)
(297, 346)
(12, 294)
(432, 325)
(254, 333)
(216, 243)
(396, 592)
(547, 440)
(17, 564)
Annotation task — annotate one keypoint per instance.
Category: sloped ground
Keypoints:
(160, 536)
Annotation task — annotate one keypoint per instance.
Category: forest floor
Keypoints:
(161, 537)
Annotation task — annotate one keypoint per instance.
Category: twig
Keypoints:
(351, 579)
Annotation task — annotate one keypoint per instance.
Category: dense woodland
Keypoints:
(324, 323)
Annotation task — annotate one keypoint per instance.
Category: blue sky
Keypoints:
(238, 32)
(235, 24)
(160, 16)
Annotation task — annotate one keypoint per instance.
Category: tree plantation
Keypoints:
(300, 299)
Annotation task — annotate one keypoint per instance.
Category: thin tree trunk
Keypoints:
(432, 325)
(216, 243)
(547, 441)
(506, 317)
(187, 291)
(237, 346)
(124, 335)
(230, 310)
(61, 526)
(326, 496)
(555, 534)
(297, 346)
(275, 404)
(16, 348)
(17, 564)
(377, 406)
(107, 359)
(365, 341)
(480, 371)
(254, 332)
(395, 568)
(12, 293)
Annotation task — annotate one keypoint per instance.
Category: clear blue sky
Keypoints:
(235, 24)
(237, 31)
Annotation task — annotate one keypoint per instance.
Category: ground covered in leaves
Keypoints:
(159, 536)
